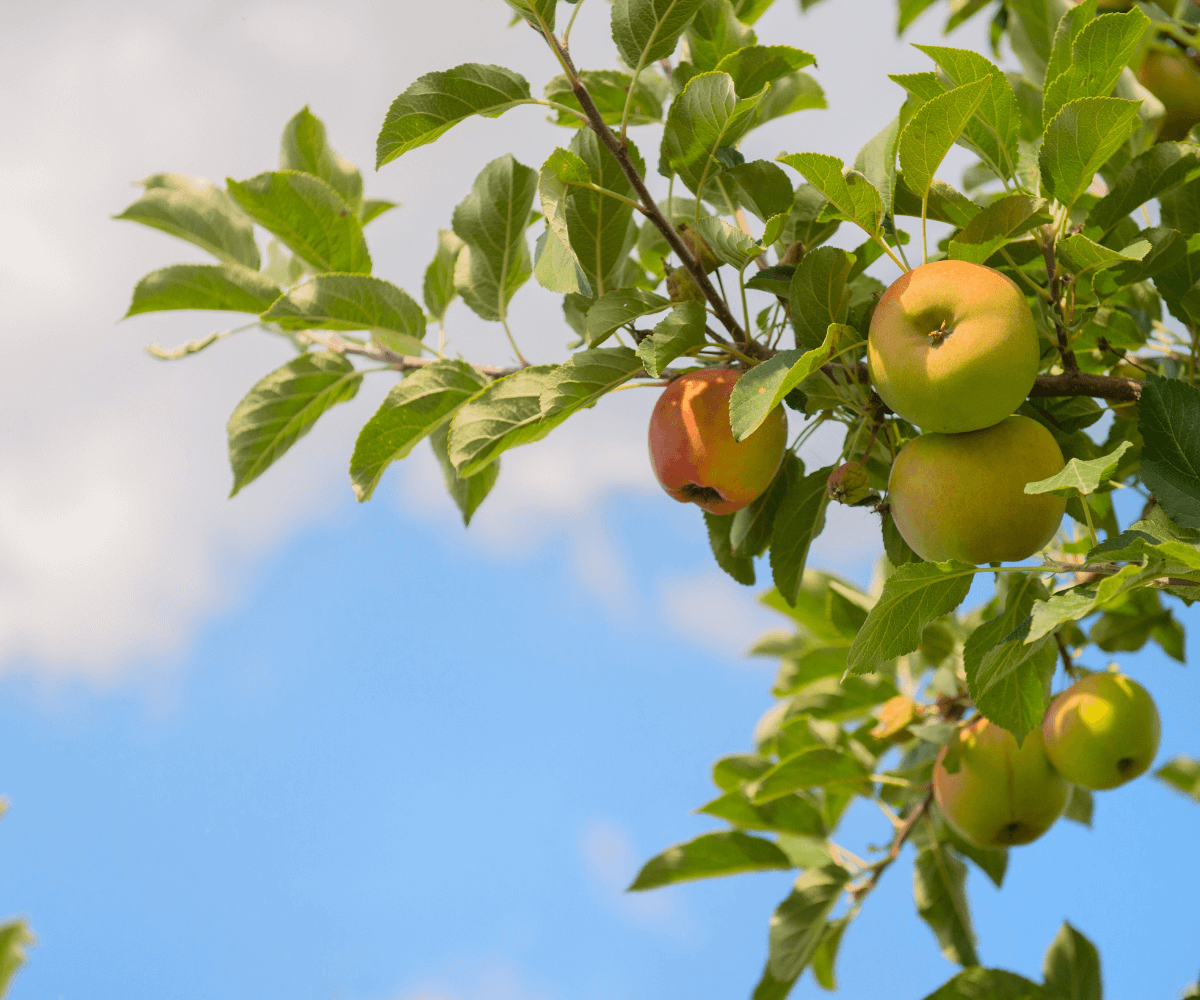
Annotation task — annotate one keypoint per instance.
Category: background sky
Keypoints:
(288, 746)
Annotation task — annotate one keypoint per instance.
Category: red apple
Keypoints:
(692, 449)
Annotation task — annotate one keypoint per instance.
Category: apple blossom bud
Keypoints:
(793, 254)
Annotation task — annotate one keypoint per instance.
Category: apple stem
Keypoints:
(1068, 665)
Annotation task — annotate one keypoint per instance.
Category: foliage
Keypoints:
(1067, 166)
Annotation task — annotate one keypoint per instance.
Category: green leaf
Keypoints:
(1079, 478)
(648, 30)
(203, 286)
(915, 595)
(740, 567)
(1019, 599)
(755, 66)
(1003, 220)
(877, 162)
(795, 92)
(1080, 601)
(1080, 255)
(714, 33)
(798, 924)
(557, 267)
(609, 89)
(990, 984)
(1012, 684)
(934, 128)
(585, 377)
(198, 212)
(763, 387)
(1081, 137)
(1169, 422)
(1072, 966)
(468, 493)
(539, 13)
(812, 767)
(728, 243)
(436, 102)
(817, 296)
(438, 288)
(425, 400)
(800, 519)
(283, 407)
(1098, 55)
(826, 954)
(1079, 806)
(602, 229)
(353, 302)
(373, 208)
(708, 856)
(992, 130)
(617, 308)
(308, 216)
(1062, 41)
(491, 221)
(681, 330)
(789, 814)
(1160, 169)
(1182, 774)
(730, 773)
(939, 889)
(750, 533)
(762, 187)
(848, 191)
(305, 148)
(707, 116)
(15, 937)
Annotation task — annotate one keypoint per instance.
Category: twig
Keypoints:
(902, 833)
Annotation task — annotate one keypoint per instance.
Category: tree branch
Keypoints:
(621, 153)
(902, 834)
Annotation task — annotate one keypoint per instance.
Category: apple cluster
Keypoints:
(953, 349)
(1099, 733)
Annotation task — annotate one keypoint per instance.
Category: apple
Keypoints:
(993, 792)
(952, 346)
(1102, 731)
(682, 287)
(1175, 80)
(962, 496)
(692, 449)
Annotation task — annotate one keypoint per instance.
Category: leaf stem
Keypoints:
(924, 238)
(516, 349)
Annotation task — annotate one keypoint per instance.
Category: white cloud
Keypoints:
(612, 863)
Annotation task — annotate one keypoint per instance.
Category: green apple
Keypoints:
(962, 496)
(995, 793)
(1102, 731)
(952, 346)
(1175, 80)
(692, 450)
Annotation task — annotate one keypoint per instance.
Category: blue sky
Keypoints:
(289, 746)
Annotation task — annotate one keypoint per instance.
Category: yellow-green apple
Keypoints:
(962, 496)
(693, 451)
(682, 287)
(995, 793)
(1102, 731)
(1175, 80)
(952, 346)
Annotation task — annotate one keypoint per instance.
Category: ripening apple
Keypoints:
(1102, 731)
(962, 496)
(952, 346)
(999, 794)
(1175, 80)
(692, 449)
